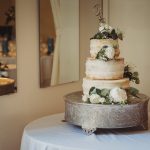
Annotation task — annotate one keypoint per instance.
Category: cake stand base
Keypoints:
(93, 116)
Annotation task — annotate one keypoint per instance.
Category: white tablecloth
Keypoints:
(50, 133)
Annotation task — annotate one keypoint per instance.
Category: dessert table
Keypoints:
(51, 133)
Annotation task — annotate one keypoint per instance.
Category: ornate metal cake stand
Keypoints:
(93, 116)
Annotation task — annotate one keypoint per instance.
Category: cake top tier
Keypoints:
(104, 44)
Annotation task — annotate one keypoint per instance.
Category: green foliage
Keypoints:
(101, 54)
(98, 91)
(113, 34)
(108, 35)
(98, 36)
(105, 92)
(92, 90)
(102, 93)
(120, 36)
(133, 76)
(133, 91)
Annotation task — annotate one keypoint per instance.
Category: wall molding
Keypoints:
(106, 10)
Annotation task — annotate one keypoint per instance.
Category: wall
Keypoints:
(31, 102)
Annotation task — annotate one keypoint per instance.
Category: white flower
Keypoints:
(102, 100)
(101, 27)
(84, 98)
(95, 99)
(110, 52)
(105, 27)
(118, 95)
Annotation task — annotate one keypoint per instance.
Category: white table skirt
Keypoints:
(50, 133)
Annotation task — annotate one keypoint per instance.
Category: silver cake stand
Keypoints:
(93, 116)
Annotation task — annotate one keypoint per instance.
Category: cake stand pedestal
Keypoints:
(93, 116)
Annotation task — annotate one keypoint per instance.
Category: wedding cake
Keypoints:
(107, 100)
(107, 78)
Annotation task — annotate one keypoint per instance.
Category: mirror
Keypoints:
(59, 41)
(8, 75)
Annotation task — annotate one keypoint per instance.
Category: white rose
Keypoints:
(84, 98)
(95, 99)
(101, 27)
(107, 27)
(110, 52)
(118, 95)
(102, 100)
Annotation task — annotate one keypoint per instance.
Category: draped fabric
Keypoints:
(50, 133)
(55, 4)
(66, 53)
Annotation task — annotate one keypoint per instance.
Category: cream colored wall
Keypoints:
(31, 102)
(132, 17)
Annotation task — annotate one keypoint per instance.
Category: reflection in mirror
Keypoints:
(8, 75)
(59, 42)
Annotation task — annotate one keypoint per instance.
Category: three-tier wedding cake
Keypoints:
(107, 100)
(107, 78)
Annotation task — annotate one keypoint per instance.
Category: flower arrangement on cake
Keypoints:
(107, 100)
(107, 78)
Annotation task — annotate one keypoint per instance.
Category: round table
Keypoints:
(51, 133)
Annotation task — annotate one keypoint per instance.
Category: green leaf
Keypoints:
(133, 76)
(98, 91)
(126, 68)
(120, 36)
(92, 90)
(136, 74)
(105, 92)
(97, 36)
(133, 91)
(114, 34)
(137, 81)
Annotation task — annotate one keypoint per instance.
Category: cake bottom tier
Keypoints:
(92, 116)
(104, 84)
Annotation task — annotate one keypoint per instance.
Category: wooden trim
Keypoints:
(106, 10)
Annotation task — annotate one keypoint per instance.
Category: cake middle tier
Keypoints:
(107, 70)
(104, 84)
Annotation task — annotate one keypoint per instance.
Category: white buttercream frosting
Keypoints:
(104, 84)
(99, 69)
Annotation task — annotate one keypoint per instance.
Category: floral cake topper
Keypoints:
(105, 31)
